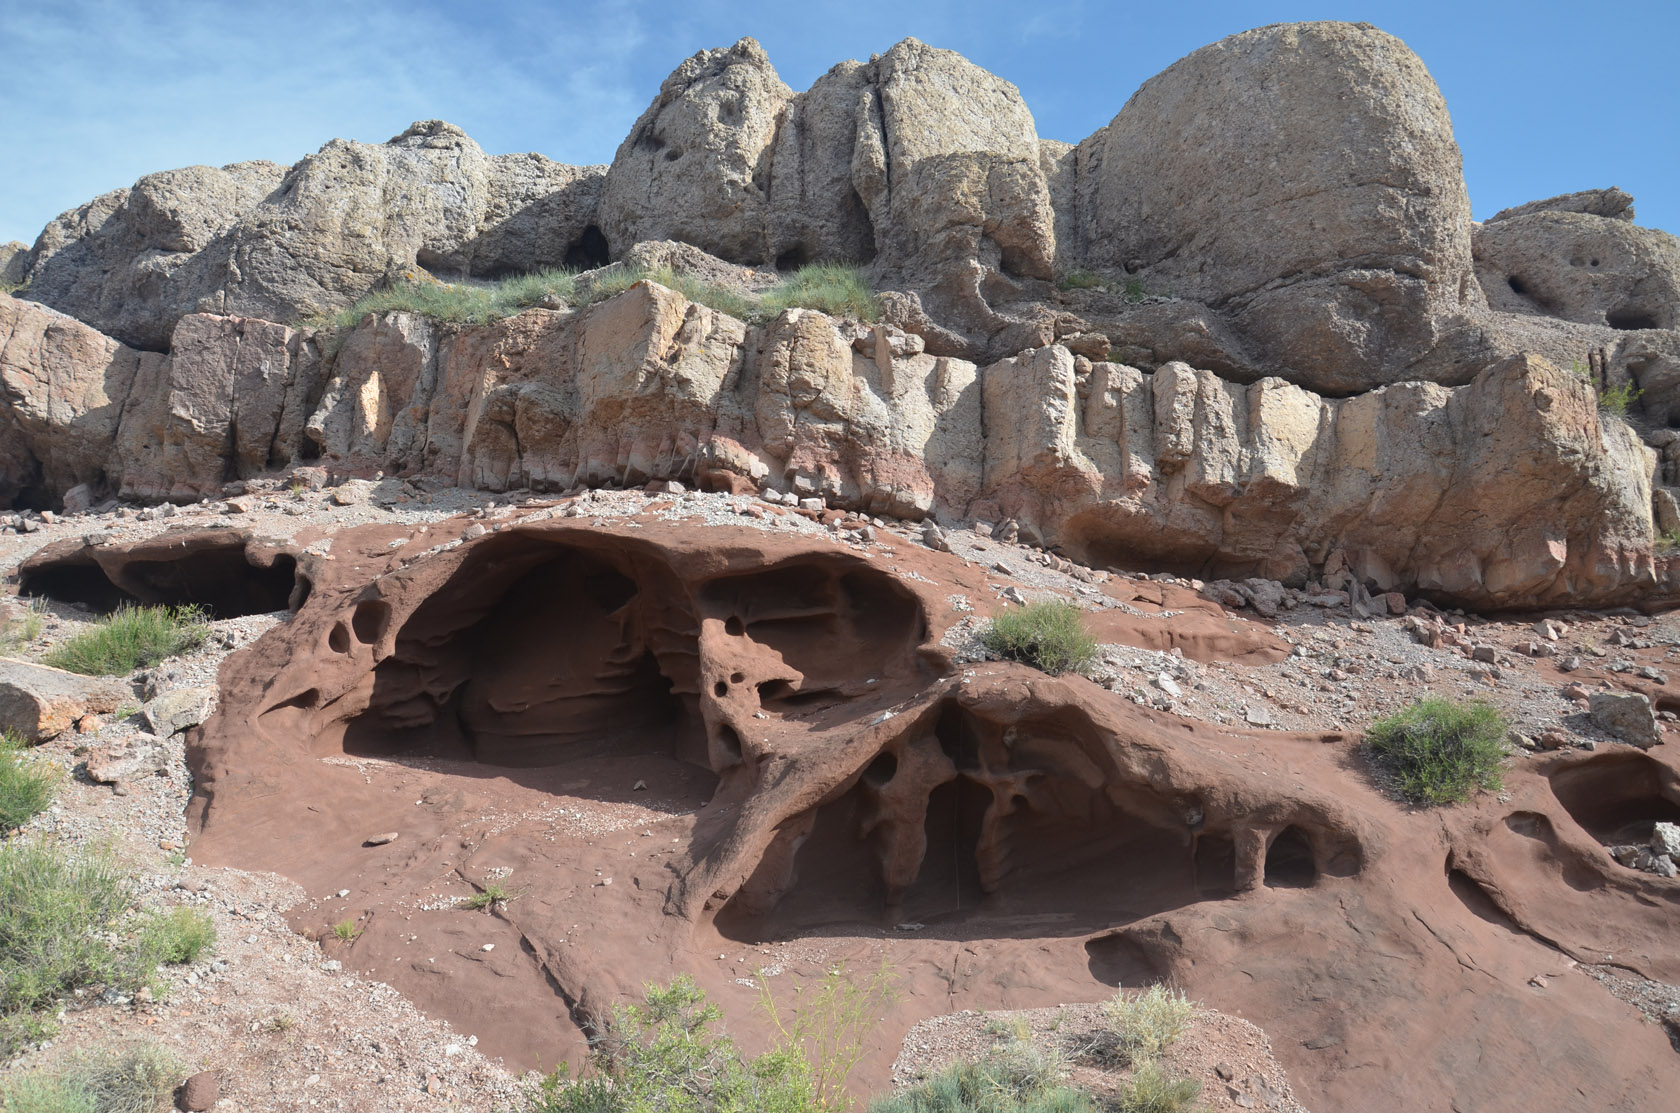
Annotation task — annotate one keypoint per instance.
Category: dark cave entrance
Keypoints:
(588, 251)
(214, 572)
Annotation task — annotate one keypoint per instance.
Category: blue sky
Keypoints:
(1546, 97)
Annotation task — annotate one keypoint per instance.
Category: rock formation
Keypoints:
(1258, 367)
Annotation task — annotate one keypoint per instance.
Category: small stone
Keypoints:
(1552, 740)
(1258, 716)
(1015, 595)
(332, 966)
(811, 504)
(1486, 654)
(474, 531)
(200, 1092)
(1550, 629)
(382, 838)
(1223, 1070)
(1628, 716)
(176, 710)
(1569, 663)
(488, 947)
(1168, 685)
(1003, 569)
(1665, 839)
(243, 505)
(639, 786)
(1646, 672)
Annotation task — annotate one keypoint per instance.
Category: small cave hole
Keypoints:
(1289, 861)
(881, 770)
(737, 678)
(1216, 864)
(1517, 285)
(734, 627)
(339, 639)
(588, 251)
(206, 570)
(720, 689)
(673, 154)
(370, 619)
(1630, 320)
(1595, 262)
(729, 744)
(791, 259)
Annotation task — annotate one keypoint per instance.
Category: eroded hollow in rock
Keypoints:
(1619, 797)
(964, 820)
(219, 571)
(532, 653)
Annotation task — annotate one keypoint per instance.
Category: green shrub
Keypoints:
(346, 931)
(830, 1022)
(1013, 1081)
(41, 1092)
(1050, 636)
(1152, 1090)
(177, 937)
(136, 1080)
(1616, 400)
(665, 1055)
(838, 289)
(58, 917)
(27, 783)
(1080, 280)
(1144, 1026)
(465, 303)
(1437, 751)
(131, 638)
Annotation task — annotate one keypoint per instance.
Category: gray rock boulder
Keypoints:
(14, 262)
(1612, 203)
(696, 165)
(1628, 716)
(1303, 180)
(261, 240)
(178, 709)
(1595, 270)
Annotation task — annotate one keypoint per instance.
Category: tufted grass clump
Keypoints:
(130, 638)
(27, 783)
(838, 289)
(1079, 279)
(179, 936)
(461, 303)
(17, 634)
(1049, 636)
(1008, 1081)
(1153, 1090)
(1437, 751)
(1144, 1026)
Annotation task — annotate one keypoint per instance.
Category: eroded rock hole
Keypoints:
(720, 689)
(1618, 798)
(1629, 320)
(1517, 286)
(1289, 860)
(370, 619)
(210, 572)
(1216, 864)
(338, 639)
(792, 259)
(734, 628)
(588, 251)
(533, 653)
(881, 770)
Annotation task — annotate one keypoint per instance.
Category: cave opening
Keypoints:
(1289, 861)
(588, 251)
(211, 573)
(1618, 798)
(532, 654)
(1631, 320)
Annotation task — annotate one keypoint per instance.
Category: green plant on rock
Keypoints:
(1009, 1080)
(177, 937)
(1437, 751)
(1049, 636)
(829, 1023)
(838, 289)
(1154, 1090)
(346, 931)
(668, 1054)
(1142, 1027)
(1080, 280)
(130, 638)
(28, 782)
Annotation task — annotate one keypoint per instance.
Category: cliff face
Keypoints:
(1246, 324)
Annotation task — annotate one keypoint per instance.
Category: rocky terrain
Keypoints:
(664, 621)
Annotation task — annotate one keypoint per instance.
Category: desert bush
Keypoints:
(1050, 636)
(1080, 280)
(1616, 399)
(44, 1092)
(59, 917)
(1013, 1080)
(137, 1079)
(838, 289)
(829, 1023)
(1153, 1090)
(1144, 1026)
(667, 1054)
(130, 638)
(27, 783)
(176, 937)
(1437, 751)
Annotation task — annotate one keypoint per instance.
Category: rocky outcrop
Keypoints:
(14, 260)
(1301, 179)
(1580, 266)
(257, 239)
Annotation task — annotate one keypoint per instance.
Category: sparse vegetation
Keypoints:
(138, 1079)
(1611, 399)
(1081, 280)
(178, 936)
(19, 633)
(668, 1054)
(1013, 1079)
(1437, 751)
(1049, 636)
(830, 1022)
(131, 638)
(1153, 1090)
(492, 894)
(59, 917)
(834, 288)
(1144, 1026)
(345, 931)
(27, 783)
(1668, 543)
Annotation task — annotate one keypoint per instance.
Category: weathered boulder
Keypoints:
(1628, 716)
(1597, 270)
(38, 703)
(256, 239)
(14, 262)
(178, 709)
(695, 166)
(1613, 203)
(1303, 180)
